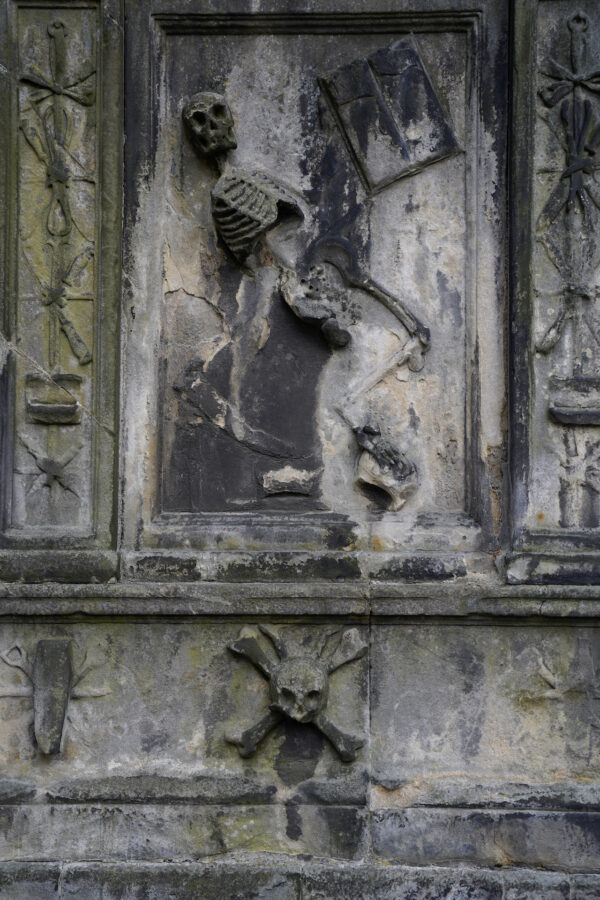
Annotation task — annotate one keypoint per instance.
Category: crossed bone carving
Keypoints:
(298, 684)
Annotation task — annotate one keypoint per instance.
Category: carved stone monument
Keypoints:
(300, 443)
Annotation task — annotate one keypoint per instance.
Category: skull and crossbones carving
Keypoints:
(298, 684)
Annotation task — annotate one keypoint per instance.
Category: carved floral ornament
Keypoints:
(298, 683)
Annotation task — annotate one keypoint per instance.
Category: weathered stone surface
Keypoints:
(585, 887)
(299, 578)
(565, 840)
(276, 879)
(183, 882)
(496, 704)
(537, 887)
(178, 831)
(60, 336)
(556, 404)
(95, 794)
(14, 790)
(29, 881)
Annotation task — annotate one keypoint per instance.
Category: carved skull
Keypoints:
(299, 688)
(210, 123)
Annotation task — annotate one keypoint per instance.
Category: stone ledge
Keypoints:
(464, 598)
(553, 568)
(203, 790)
(279, 878)
(63, 566)
(242, 566)
(181, 832)
(353, 788)
(559, 841)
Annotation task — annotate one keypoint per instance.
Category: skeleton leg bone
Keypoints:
(351, 646)
(248, 645)
(345, 744)
(249, 739)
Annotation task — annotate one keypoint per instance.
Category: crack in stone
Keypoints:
(6, 347)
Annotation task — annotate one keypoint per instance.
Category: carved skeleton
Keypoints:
(298, 685)
(245, 205)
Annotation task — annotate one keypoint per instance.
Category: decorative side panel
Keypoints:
(557, 347)
(61, 297)
(56, 289)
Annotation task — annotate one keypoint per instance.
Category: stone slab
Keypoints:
(549, 840)
(278, 879)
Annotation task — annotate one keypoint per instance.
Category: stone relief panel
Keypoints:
(142, 714)
(258, 419)
(565, 318)
(494, 711)
(52, 680)
(480, 730)
(62, 274)
(298, 684)
(491, 753)
(57, 267)
(389, 114)
(317, 322)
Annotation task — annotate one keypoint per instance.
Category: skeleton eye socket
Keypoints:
(313, 696)
(219, 110)
(199, 117)
(288, 695)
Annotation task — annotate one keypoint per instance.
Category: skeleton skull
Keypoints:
(299, 688)
(209, 123)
